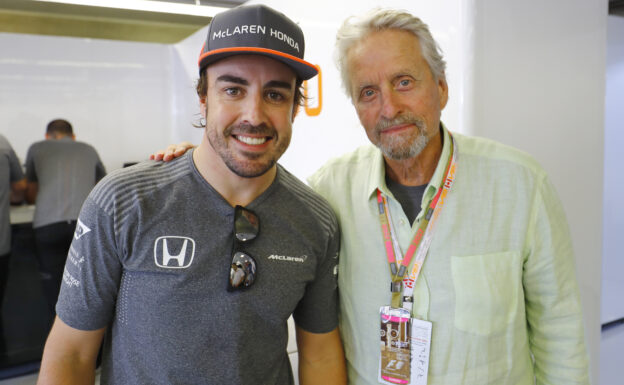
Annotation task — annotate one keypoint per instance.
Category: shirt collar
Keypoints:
(436, 180)
(377, 176)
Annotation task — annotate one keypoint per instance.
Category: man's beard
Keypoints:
(400, 147)
(248, 167)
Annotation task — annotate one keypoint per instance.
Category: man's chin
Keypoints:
(397, 152)
(250, 170)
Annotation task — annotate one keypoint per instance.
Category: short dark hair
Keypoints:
(202, 89)
(59, 126)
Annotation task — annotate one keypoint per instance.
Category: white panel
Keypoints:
(613, 253)
(186, 103)
(116, 95)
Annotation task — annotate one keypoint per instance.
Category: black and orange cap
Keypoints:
(256, 30)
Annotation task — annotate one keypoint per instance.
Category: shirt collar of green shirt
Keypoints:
(377, 176)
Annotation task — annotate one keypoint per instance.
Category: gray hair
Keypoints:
(354, 29)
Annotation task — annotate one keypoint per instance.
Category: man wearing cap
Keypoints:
(188, 271)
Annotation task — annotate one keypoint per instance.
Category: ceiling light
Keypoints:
(146, 5)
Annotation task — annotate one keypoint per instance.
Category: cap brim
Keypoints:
(302, 68)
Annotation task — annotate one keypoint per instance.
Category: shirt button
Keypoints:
(402, 221)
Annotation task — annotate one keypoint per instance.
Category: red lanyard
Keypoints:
(424, 231)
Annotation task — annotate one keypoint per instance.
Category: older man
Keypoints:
(461, 239)
(497, 288)
(191, 269)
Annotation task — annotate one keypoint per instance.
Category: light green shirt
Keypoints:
(498, 283)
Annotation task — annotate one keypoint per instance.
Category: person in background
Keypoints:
(188, 271)
(12, 186)
(60, 173)
(462, 238)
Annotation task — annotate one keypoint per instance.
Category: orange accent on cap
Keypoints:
(254, 49)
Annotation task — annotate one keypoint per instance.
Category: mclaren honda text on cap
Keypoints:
(256, 30)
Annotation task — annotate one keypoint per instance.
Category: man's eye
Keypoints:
(232, 91)
(275, 96)
(367, 94)
(405, 83)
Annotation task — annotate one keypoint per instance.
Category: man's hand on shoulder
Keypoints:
(172, 151)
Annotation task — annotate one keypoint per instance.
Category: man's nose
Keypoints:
(391, 105)
(254, 110)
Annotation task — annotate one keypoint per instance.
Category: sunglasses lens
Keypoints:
(242, 270)
(246, 225)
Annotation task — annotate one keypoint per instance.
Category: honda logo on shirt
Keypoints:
(173, 252)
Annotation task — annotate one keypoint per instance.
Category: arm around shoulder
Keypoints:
(69, 355)
(321, 358)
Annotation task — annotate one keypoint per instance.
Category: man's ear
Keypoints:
(202, 107)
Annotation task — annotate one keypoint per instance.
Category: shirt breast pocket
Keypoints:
(487, 291)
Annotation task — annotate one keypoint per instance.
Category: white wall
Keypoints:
(613, 256)
(185, 110)
(117, 95)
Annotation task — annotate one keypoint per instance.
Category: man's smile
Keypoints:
(252, 140)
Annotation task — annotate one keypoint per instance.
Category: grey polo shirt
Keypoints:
(66, 171)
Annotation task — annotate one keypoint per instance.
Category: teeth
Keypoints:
(250, 140)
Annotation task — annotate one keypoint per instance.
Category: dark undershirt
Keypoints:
(408, 196)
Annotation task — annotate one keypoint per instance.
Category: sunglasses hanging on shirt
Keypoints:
(243, 266)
